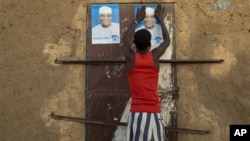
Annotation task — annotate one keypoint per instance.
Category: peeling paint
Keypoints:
(229, 61)
(168, 106)
(57, 50)
(121, 131)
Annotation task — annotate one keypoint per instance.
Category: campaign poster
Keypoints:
(105, 23)
(151, 24)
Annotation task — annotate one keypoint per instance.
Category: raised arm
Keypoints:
(128, 38)
(160, 15)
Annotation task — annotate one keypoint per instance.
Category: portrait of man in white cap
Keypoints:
(105, 24)
(150, 23)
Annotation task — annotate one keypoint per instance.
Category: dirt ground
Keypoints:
(35, 33)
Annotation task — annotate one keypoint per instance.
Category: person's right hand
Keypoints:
(160, 12)
(140, 14)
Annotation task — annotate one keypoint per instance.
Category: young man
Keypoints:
(142, 66)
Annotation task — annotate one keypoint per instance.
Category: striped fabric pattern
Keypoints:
(144, 126)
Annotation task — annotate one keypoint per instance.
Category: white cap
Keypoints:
(150, 11)
(105, 9)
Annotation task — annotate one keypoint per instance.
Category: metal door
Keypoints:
(107, 93)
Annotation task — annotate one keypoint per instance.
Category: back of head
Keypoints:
(142, 39)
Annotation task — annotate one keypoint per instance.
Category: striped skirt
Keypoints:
(143, 126)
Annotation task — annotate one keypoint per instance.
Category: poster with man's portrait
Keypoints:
(151, 24)
(105, 23)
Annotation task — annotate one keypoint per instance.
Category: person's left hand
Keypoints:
(140, 14)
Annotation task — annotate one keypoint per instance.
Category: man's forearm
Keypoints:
(129, 35)
(165, 33)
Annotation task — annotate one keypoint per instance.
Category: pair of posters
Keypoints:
(106, 24)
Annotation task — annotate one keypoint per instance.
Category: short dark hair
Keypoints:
(142, 39)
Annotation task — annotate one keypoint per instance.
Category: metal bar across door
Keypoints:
(95, 62)
(114, 123)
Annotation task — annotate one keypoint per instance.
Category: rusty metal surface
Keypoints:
(106, 78)
(107, 91)
(104, 106)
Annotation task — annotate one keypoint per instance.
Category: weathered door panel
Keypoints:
(107, 94)
(104, 106)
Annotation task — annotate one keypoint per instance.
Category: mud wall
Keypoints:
(35, 33)
(213, 96)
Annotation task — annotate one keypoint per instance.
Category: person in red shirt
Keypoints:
(142, 65)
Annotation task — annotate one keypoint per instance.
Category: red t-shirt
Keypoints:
(143, 82)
